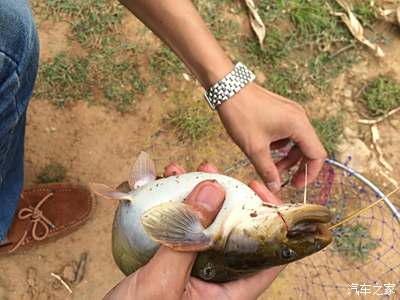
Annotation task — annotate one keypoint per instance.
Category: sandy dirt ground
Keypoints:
(96, 143)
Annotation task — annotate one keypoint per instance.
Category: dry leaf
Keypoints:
(381, 118)
(375, 138)
(355, 27)
(388, 10)
(255, 21)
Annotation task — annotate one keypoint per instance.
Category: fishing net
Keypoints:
(363, 261)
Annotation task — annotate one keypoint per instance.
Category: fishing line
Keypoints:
(305, 185)
(355, 214)
(283, 219)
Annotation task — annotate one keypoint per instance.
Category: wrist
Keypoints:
(214, 71)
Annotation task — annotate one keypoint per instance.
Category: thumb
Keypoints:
(206, 199)
(266, 168)
(170, 270)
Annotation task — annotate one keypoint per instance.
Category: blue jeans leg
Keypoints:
(19, 55)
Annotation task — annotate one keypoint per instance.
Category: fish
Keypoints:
(246, 236)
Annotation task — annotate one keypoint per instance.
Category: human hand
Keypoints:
(167, 274)
(260, 121)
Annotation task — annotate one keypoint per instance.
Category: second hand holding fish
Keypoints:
(167, 274)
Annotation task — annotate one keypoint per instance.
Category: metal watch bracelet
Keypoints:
(232, 83)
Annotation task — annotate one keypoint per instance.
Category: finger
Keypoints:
(206, 199)
(299, 177)
(262, 192)
(314, 153)
(207, 167)
(172, 169)
(170, 269)
(290, 160)
(266, 168)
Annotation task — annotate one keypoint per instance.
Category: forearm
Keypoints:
(180, 26)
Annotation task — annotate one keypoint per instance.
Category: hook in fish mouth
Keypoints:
(306, 228)
(307, 221)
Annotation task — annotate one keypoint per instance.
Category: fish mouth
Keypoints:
(306, 229)
(307, 221)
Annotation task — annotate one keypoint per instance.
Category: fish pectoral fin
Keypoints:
(105, 191)
(143, 171)
(177, 226)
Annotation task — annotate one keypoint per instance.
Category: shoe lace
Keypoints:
(37, 218)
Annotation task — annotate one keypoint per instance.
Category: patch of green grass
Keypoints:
(277, 46)
(64, 6)
(110, 65)
(164, 64)
(354, 241)
(191, 123)
(64, 79)
(328, 131)
(312, 20)
(91, 20)
(315, 22)
(53, 172)
(101, 17)
(68, 79)
(215, 14)
(271, 11)
(121, 84)
(365, 12)
(119, 96)
(381, 95)
(288, 83)
(323, 68)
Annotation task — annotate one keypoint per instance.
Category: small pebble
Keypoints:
(68, 273)
(347, 93)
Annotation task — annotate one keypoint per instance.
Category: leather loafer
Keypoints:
(47, 212)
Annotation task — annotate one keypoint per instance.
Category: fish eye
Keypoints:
(287, 253)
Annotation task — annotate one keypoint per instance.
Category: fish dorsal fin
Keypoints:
(143, 171)
(105, 191)
(177, 226)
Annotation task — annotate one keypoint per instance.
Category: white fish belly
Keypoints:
(175, 189)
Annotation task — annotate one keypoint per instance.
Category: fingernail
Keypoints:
(209, 198)
(273, 186)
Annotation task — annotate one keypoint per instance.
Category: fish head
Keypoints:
(297, 231)
(276, 235)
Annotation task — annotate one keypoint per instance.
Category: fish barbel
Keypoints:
(246, 236)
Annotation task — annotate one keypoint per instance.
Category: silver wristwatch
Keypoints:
(232, 83)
